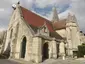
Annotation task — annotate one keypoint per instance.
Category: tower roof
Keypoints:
(55, 15)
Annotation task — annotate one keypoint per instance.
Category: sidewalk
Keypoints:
(21, 61)
(53, 61)
(80, 59)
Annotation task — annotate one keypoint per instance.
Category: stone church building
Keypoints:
(32, 37)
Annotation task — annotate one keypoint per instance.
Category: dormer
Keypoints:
(43, 30)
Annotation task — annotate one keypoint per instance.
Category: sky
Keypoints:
(44, 8)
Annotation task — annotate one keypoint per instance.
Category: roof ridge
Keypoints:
(36, 14)
(36, 20)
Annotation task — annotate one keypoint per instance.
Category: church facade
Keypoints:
(69, 30)
(34, 38)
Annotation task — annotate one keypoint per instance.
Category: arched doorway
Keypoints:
(23, 47)
(45, 51)
(57, 50)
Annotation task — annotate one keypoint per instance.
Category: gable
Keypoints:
(35, 20)
(43, 30)
(14, 17)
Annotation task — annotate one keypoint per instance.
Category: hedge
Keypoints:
(81, 50)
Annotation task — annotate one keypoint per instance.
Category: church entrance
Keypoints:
(45, 51)
(23, 47)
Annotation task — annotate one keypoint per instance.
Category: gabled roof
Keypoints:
(35, 20)
(60, 24)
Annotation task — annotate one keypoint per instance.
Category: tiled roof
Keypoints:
(35, 20)
(60, 24)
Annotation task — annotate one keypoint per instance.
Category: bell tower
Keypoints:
(72, 32)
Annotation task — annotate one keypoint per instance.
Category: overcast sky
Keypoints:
(44, 8)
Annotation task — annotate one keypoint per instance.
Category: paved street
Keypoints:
(5, 61)
(58, 61)
(49, 61)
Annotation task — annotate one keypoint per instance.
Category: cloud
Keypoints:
(44, 7)
(2, 29)
(40, 5)
(78, 7)
(13, 1)
(62, 15)
(45, 3)
(5, 12)
(2, 9)
(27, 3)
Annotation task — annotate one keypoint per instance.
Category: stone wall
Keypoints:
(2, 40)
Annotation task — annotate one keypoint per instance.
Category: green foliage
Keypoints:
(83, 43)
(81, 50)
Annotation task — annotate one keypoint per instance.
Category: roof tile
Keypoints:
(60, 24)
(35, 20)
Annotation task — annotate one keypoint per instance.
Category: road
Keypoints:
(49, 61)
(59, 61)
(5, 61)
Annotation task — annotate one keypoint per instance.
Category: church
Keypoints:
(33, 38)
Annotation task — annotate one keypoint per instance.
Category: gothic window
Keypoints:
(11, 33)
